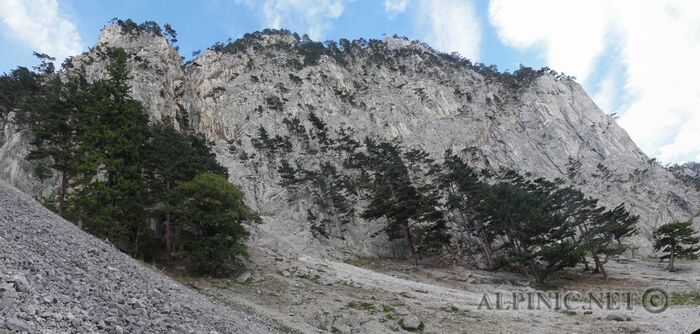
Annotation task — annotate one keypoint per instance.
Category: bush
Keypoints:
(208, 212)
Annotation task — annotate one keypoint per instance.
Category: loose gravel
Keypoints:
(55, 278)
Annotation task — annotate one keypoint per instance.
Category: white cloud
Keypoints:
(39, 24)
(571, 32)
(395, 6)
(312, 17)
(450, 25)
(658, 43)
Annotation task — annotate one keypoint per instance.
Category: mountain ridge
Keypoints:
(393, 89)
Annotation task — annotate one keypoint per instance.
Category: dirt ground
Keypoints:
(309, 295)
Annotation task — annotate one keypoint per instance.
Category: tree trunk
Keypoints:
(672, 258)
(136, 244)
(585, 263)
(599, 265)
(409, 239)
(168, 237)
(62, 194)
(168, 232)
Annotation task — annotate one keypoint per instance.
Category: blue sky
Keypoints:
(635, 59)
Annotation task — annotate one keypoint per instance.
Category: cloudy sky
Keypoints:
(637, 59)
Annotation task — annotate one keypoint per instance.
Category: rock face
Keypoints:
(390, 89)
(55, 278)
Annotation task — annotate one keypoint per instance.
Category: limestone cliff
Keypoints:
(546, 125)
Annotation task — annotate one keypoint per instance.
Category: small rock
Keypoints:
(286, 273)
(118, 330)
(110, 320)
(17, 325)
(6, 287)
(341, 328)
(401, 310)
(328, 280)
(410, 322)
(243, 277)
(20, 282)
(156, 294)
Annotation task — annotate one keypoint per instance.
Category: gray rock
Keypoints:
(20, 282)
(17, 325)
(243, 277)
(410, 322)
(341, 328)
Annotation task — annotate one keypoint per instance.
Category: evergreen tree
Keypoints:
(534, 238)
(170, 158)
(110, 196)
(321, 130)
(464, 193)
(55, 114)
(396, 198)
(677, 240)
(209, 212)
(16, 88)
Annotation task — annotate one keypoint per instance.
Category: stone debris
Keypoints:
(49, 285)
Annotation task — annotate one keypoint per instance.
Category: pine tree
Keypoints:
(535, 238)
(678, 240)
(110, 199)
(55, 114)
(464, 191)
(171, 158)
(209, 212)
(397, 199)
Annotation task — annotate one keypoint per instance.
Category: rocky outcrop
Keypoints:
(545, 126)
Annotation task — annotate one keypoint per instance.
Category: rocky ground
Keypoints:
(379, 296)
(55, 278)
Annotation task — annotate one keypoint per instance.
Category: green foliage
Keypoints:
(404, 206)
(114, 168)
(677, 240)
(109, 200)
(16, 88)
(464, 193)
(288, 174)
(311, 51)
(208, 212)
(171, 158)
(271, 145)
(274, 103)
(170, 34)
(535, 238)
(320, 130)
(130, 27)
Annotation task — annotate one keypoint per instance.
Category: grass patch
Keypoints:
(569, 312)
(685, 298)
(364, 306)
